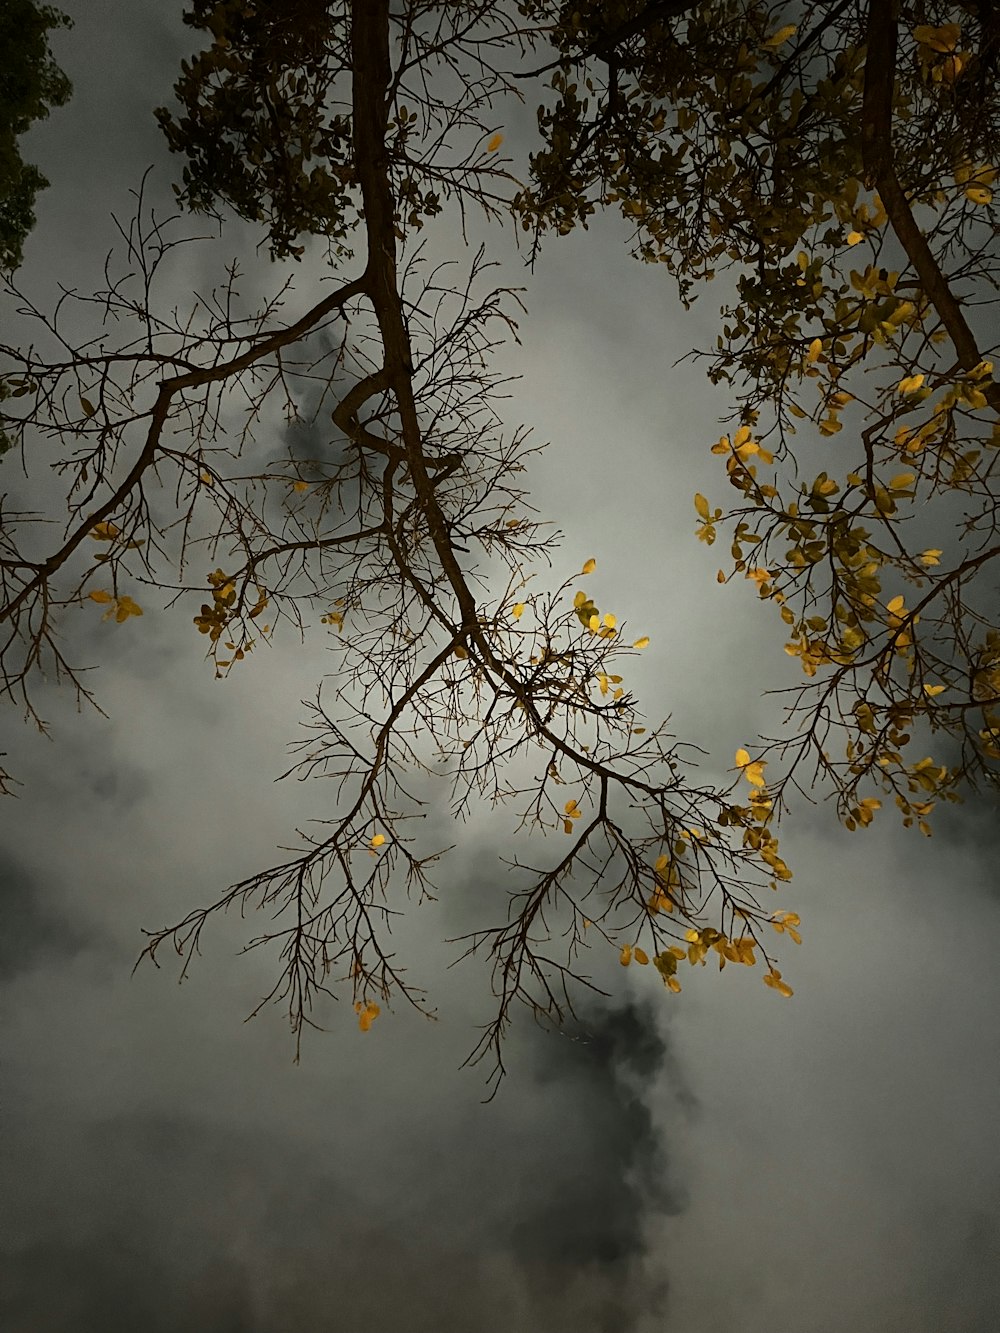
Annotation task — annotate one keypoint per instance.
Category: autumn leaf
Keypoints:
(378, 840)
(642, 643)
(589, 566)
(773, 979)
(701, 504)
(126, 607)
(367, 1014)
(752, 770)
(100, 595)
(780, 37)
(518, 610)
(494, 143)
(942, 40)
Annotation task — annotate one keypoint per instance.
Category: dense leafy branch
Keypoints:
(776, 142)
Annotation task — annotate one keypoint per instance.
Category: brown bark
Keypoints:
(880, 174)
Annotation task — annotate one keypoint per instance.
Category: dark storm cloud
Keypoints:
(618, 1173)
(608, 1064)
(35, 932)
(476, 1217)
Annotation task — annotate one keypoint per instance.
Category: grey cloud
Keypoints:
(470, 1216)
(35, 932)
(724, 1162)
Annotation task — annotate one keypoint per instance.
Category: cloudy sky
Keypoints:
(720, 1161)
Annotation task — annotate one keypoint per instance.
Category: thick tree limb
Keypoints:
(880, 174)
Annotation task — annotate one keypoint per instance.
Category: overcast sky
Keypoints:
(719, 1161)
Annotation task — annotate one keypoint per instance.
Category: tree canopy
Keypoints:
(31, 83)
(837, 162)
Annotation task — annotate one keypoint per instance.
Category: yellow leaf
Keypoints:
(854, 237)
(205, 477)
(901, 482)
(932, 690)
(518, 610)
(978, 194)
(104, 532)
(640, 956)
(625, 957)
(779, 38)
(301, 486)
(742, 758)
(930, 557)
(494, 143)
(589, 566)
(460, 651)
(378, 840)
(701, 504)
(611, 621)
(815, 348)
(641, 643)
(571, 809)
(895, 606)
(773, 979)
(100, 595)
(910, 384)
(943, 39)
(567, 826)
(594, 623)
(126, 608)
